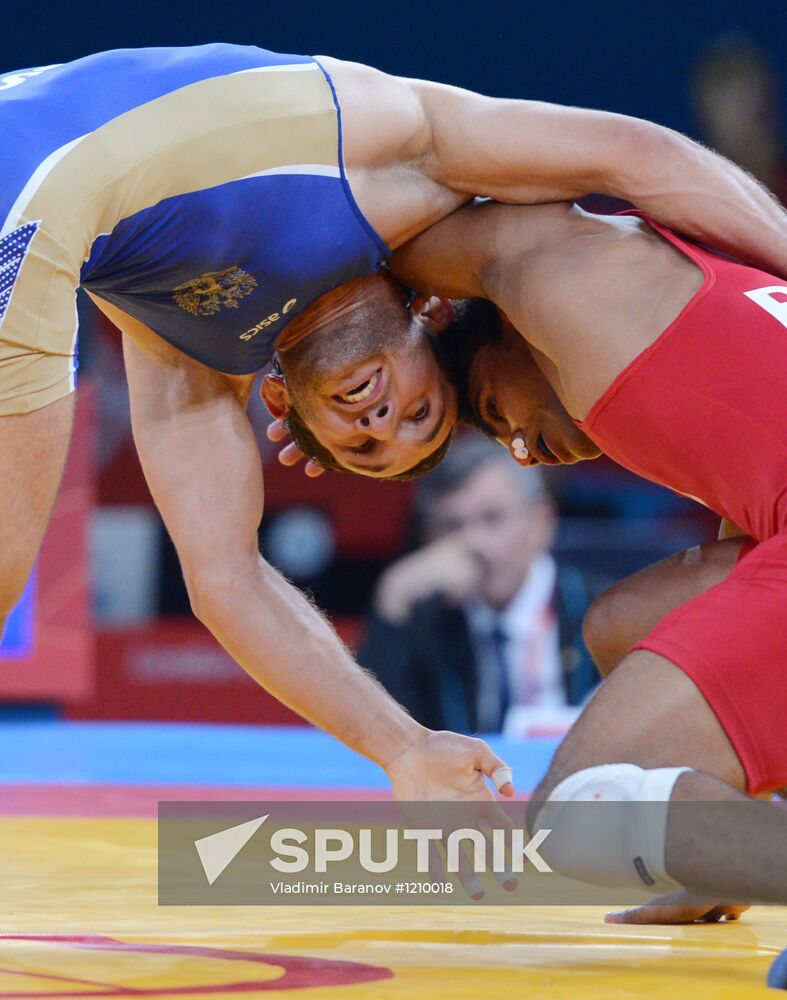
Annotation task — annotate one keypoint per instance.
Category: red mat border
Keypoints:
(141, 801)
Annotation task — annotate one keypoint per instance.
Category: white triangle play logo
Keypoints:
(219, 849)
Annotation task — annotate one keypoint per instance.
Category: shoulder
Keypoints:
(383, 116)
(534, 247)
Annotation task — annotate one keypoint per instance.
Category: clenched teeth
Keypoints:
(362, 391)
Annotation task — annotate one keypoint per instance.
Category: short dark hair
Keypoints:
(476, 324)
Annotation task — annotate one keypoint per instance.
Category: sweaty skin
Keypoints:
(580, 297)
(415, 150)
(589, 293)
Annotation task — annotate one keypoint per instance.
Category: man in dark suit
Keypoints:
(479, 620)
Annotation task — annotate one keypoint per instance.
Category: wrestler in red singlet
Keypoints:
(704, 411)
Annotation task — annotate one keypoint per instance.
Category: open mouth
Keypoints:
(361, 392)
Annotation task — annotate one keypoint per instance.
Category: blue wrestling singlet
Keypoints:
(200, 190)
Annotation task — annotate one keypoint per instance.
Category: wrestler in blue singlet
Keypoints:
(200, 190)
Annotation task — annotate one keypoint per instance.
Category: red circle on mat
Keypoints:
(299, 972)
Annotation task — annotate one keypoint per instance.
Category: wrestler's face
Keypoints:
(367, 384)
(517, 404)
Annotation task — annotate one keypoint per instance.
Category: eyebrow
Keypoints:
(482, 423)
(436, 429)
(427, 440)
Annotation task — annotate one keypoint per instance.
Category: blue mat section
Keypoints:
(178, 754)
(777, 977)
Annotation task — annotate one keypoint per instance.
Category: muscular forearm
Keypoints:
(527, 152)
(699, 193)
(285, 645)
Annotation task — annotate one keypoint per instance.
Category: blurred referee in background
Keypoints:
(480, 619)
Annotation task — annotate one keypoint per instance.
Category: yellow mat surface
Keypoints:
(80, 918)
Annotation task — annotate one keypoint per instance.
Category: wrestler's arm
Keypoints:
(448, 258)
(529, 151)
(202, 463)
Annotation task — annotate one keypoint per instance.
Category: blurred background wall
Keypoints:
(715, 69)
(629, 57)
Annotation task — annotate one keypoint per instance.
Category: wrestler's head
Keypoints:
(504, 393)
(359, 381)
(372, 382)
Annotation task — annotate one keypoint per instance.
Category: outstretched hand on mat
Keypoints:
(450, 772)
(681, 907)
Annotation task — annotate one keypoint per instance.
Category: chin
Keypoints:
(581, 451)
(498, 599)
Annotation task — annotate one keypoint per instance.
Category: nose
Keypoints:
(379, 422)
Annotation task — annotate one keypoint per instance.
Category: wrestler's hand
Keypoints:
(446, 774)
(291, 454)
(445, 567)
(681, 907)
(446, 767)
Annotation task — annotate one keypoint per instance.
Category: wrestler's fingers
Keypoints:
(501, 774)
(290, 455)
(312, 469)
(276, 431)
(468, 878)
(497, 820)
(465, 873)
(650, 914)
(719, 913)
(659, 913)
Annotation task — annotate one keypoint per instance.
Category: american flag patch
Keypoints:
(13, 248)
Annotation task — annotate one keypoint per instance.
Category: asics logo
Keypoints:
(268, 321)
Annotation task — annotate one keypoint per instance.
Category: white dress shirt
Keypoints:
(532, 647)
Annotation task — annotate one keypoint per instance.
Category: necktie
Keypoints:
(499, 648)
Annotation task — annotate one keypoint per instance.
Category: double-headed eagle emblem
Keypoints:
(206, 295)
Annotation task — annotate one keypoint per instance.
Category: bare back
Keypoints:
(588, 292)
(595, 296)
